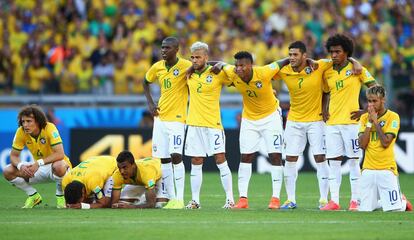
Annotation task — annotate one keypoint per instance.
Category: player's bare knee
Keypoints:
(165, 160)
(59, 168)
(197, 160)
(220, 158)
(247, 158)
(176, 158)
(319, 158)
(10, 172)
(275, 159)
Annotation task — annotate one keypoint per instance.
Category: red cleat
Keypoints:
(274, 203)
(331, 206)
(353, 205)
(243, 203)
(409, 206)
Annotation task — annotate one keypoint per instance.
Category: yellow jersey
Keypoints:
(93, 173)
(258, 98)
(205, 90)
(174, 91)
(41, 146)
(344, 88)
(148, 173)
(376, 156)
(305, 91)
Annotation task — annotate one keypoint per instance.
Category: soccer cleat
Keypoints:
(229, 204)
(32, 201)
(331, 206)
(322, 203)
(274, 203)
(243, 203)
(174, 204)
(409, 206)
(193, 205)
(288, 205)
(353, 205)
(60, 202)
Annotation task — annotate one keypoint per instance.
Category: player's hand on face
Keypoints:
(373, 116)
(74, 206)
(355, 115)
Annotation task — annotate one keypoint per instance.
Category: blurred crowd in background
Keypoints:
(106, 46)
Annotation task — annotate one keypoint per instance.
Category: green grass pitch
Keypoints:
(210, 222)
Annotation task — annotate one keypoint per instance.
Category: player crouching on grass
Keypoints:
(142, 180)
(377, 135)
(44, 143)
(89, 185)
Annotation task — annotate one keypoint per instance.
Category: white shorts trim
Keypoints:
(342, 140)
(167, 138)
(298, 133)
(379, 185)
(269, 128)
(204, 141)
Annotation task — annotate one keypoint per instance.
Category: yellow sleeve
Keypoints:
(18, 141)
(53, 134)
(366, 77)
(149, 178)
(118, 180)
(224, 78)
(393, 127)
(96, 185)
(270, 70)
(151, 75)
(363, 123)
(324, 64)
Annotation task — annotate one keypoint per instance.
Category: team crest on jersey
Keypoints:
(176, 72)
(382, 123)
(209, 79)
(259, 84)
(348, 73)
(308, 70)
(42, 140)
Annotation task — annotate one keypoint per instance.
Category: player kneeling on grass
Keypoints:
(143, 183)
(44, 143)
(89, 185)
(377, 135)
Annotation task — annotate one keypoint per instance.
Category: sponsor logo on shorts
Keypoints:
(154, 148)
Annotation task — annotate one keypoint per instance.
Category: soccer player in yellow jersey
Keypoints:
(261, 118)
(169, 117)
(44, 143)
(205, 135)
(142, 181)
(89, 185)
(304, 121)
(378, 132)
(342, 123)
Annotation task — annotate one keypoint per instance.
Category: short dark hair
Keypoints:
(341, 40)
(172, 40)
(376, 90)
(36, 111)
(125, 156)
(73, 192)
(299, 45)
(243, 55)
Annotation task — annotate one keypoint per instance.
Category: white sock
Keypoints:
(335, 178)
(196, 181)
(226, 180)
(168, 180)
(277, 179)
(322, 170)
(245, 172)
(290, 175)
(59, 191)
(354, 175)
(23, 185)
(179, 178)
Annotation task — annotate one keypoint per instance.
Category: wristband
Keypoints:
(369, 125)
(85, 206)
(19, 165)
(40, 162)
